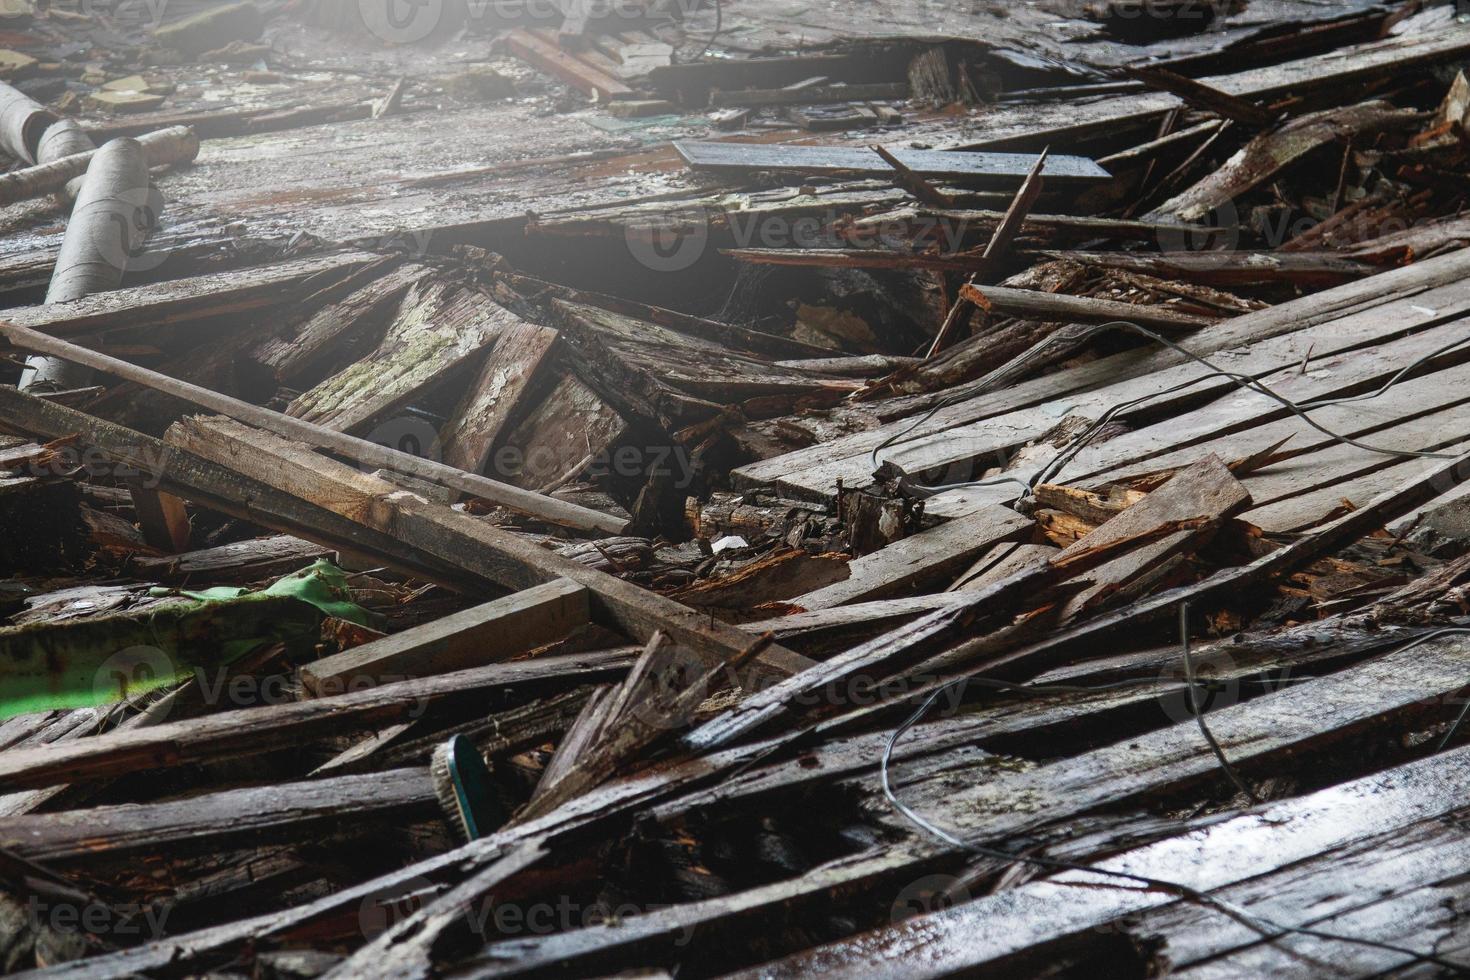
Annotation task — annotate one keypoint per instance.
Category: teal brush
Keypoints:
(462, 781)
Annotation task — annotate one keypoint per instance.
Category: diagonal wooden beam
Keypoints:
(536, 505)
(474, 545)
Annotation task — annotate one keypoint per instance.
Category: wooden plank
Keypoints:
(1334, 373)
(814, 95)
(1270, 152)
(1425, 292)
(1076, 309)
(677, 786)
(1401, 887)
(1067, 122)
(993, 928)
(210, 485)
(185, 300)
(546, 56)
(1345, 361)
(537, 505)
(1404, 404)
(241, 562)
(479, 548)
(163, 519)
(1221, 269)
(1402, 499)
(1309, 509)
(485, 634)
(1008, 801)
(212, 819)
(1000, 563)
(250, 731)
(333, 332)
(924, 558)
(439, 326)
(490, 403)
(1200, 498)
(744, 158)
(569, 429)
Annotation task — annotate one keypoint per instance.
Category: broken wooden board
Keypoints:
(567, 431)
(474, 545)
(1369, 309)
(330, 335)
(993, 931)
(491, 402)
(189, 300)
(925, 558)
(539, 52)
(1270, 152)
(1197, 501)
(491, 633)
(214, 819)
(744, 158)
(362, 450)
(439, 326)
(238, 563)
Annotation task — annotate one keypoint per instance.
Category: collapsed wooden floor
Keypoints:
(1040, 551)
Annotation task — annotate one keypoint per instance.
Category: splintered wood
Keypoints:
(724, 489)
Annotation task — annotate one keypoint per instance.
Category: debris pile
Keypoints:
(723, 489)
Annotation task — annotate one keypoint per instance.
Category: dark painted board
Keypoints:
(745, 157)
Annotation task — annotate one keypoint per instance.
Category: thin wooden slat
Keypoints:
(184, 300)
(537, 505)
(925, 558)
(489, 633)
(741, 158)
(1425, 292)
(210, 819)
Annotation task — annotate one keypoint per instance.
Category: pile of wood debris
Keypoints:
(735, 488)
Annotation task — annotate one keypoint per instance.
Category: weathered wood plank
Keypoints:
(490, 403)
(250, 731)
(562, 435)
(185, 300)
(922, 559)
(743, 158)
(240, 562)
(1426, 292)
(1345, 362)
(1001, 803)
(490, 633)
(474, 545)
(333, 332)
(211, 819)
(210, 485)
(439, 326)
(552, 510)
(993, 928)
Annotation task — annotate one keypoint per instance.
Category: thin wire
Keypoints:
(1266, 928)
(1297, 409)
(1199, 716)
(719, 29)
(1460, 719)
(1300, 410)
